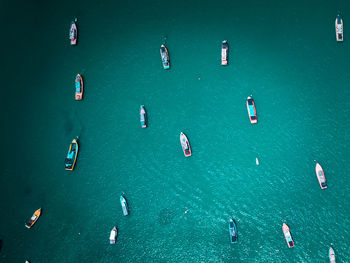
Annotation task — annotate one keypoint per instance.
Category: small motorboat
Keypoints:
(73, 33)
(79, 87)
(71, 155)
(233, 231)
(33, 219)
(185, 145)
(287, 235)
(224, 53)
(113, 235)
(165, 57)
(143, 117)
(331, 255)
(320, 176)
(251, 110)
(124, 205)
(257, 161)
(339, 28)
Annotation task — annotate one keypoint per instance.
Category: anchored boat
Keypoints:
(331, 255)
(320, 176)
(143, 117)
(113, 235)
(185, 145)
(224, 53)
(79, 87)
(339, 28)
(287, 235)
(124, 205)
(33, 219)
(233, 231)
(71, 155)
(251, 110)
(165, 57)
(73, 33)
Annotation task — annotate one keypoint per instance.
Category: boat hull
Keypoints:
(331, 255)
(185, 144)
(287, 235)
(73, 34)
(320, 176)
(70, 161)
(33, 219)
(124, 205)
(143, 117)
(251, 110)
(164, 54)
(339, 34)
(224, 53)
(233, 231)
(113, 236)
(79, 94)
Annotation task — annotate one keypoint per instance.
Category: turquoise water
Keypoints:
(283, 53)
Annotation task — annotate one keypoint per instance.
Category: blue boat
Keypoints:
(233, 231)
(143, 117)
(124, 205)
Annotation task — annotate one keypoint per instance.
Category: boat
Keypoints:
(251, 110)
(233, 231)
(143, 117)
(287, 235)
(339, 28)
(73, 33)
(331, 255)
(165, 57)
(27, 261)
(124, 205)
(320, 176)
(224, 53)
(113, 235)
(185, 145)
(79, 87)
(72, 155)
(33, 219)
(257, 161)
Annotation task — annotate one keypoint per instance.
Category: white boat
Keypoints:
(113, 235)
(339, 28)
(331, 255)
(320, 176)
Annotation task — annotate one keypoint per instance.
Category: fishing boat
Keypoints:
(72, 155)
(143, 117)
(124, 205)
(251, 110)
(339, 28)
(224, 53)
(79, 87)
(113, 235)
(331, 255)
(233, 231)
(185, 145)
(73, 33)
(287, 235)
(33, 219)
(320, 176)
(165, 57)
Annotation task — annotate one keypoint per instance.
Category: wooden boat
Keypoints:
(143, 117)
(113, 235)
(33, 219)
(331, 255)
(124, 205)
(164, 54)
(185, 145)
(233, 231)
(73, 33)
(224, 53)
(287, 235)
(72, 155)
(320, 176)
(339, 28)
(251, 110)
(79, 87)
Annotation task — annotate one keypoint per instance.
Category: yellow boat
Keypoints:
(71, 155)
(33, 219)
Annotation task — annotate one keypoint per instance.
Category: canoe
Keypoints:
(113, 235)
(72, 155)
(287, 235)
(320, 176)
(33, 219)
(124, 205)
(233, 231)
(251, 110)
(331, 255)
(164, 54)
(339, 28)
(79, 87)
(224, 53)
(143, 117)
(185, 145)
(73, 33)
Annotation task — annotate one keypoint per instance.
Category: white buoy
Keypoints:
(257, 161)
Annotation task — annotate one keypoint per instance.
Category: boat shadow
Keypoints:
(1, 243)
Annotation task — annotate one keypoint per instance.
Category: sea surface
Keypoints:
(283, 53)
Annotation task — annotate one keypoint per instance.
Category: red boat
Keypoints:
(287, 235)
(251, 110)
(185, 145)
